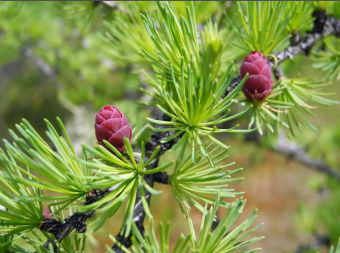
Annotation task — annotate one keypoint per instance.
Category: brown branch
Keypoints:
(43, 66)
(323, 25)
(138, 216)
(61, 230)
(293, 150)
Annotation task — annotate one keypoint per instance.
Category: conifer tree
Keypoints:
(207, 71)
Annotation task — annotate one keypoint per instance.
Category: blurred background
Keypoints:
(53, 65)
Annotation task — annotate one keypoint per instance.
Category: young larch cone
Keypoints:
(259, 83)
(111, 125)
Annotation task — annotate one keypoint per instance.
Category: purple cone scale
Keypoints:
(111, 125)
(259, 83)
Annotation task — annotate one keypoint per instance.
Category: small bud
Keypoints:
(259, 83)
(111, 125)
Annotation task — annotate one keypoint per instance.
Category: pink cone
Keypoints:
(111, 125)
(259, 83)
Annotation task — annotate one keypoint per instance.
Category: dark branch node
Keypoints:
(236, 81)
(95, 195)
(319, 21)
(96, 3)
(295, 39)
(61, 230)
(161, 177)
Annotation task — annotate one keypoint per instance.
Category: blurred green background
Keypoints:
(51, 65)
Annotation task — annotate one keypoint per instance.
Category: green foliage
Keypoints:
(58, 170)
(329, 61)
(222, 239)
(5, 242)
(22, 241)
(150, 244)
(15, 33)
(137, 118)
(182, 48)
(231, 51)
(287, 105)
(203, 9)
(322, 5)
(302, 20)
(177, 42)
(76, 57)
(265, 24)
(334, 9)
(74, 243)
(322, 216)
(80, 13)
(191, 63)
(126, 174)
(126, 35)
(17, 216)
(201, 183)
(326, 144)
(10, 9)
(188, 100)
(210, 51)
(300, 93)
(187, 89)
(305, 219)
(325, 214)
(264, 113)
(335, 249)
